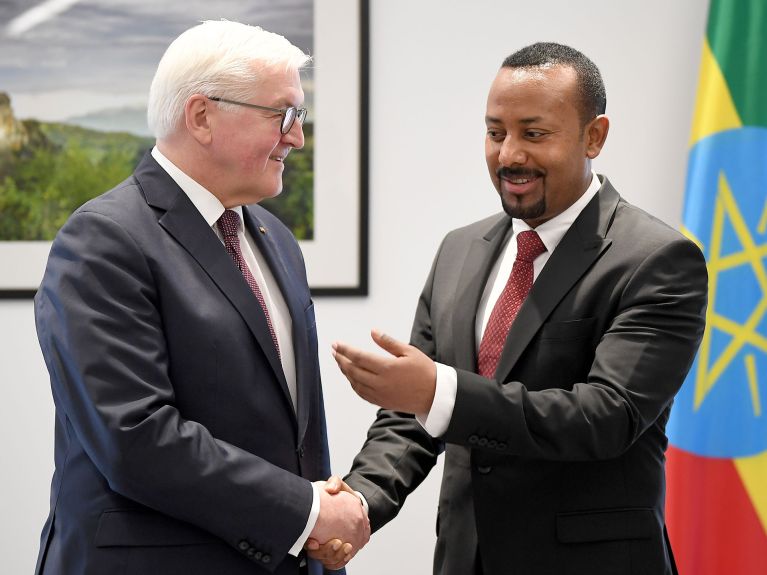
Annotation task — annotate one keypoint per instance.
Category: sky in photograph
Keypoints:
(62, 59)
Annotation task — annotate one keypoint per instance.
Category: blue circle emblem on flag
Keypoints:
(721, 410)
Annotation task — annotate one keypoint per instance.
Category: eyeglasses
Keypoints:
(289, 115)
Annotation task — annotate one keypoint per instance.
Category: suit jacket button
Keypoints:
(300, 450)
(251, 551)
(266, 558)
(243, 545)
(484, 469)
(502, 446)
(483, 442)
(258, 555)
(492, 444)
(473, 439)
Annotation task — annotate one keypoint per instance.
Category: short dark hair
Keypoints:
(590, 84)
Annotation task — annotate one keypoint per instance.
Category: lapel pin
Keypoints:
(262, 229)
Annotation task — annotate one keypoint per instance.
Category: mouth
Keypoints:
(518, 182)
(280, 159)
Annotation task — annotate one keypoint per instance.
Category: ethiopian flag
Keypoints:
(717, 463)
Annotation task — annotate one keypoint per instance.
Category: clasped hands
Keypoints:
(342, 527)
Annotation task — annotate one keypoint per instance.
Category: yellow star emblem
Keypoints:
(743, 334)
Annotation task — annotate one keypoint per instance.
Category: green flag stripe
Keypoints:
(737, 34)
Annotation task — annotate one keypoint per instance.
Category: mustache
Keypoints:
(510, 173)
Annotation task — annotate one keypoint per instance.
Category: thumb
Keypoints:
(388, 343)
(333, 485)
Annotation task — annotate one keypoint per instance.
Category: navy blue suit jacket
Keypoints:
(178, 449)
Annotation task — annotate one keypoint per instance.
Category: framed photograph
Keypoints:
(76, 76)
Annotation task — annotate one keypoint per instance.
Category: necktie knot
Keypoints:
(229, 223)
(529, 246)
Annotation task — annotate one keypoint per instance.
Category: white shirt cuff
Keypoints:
(436, 421)
(363, 500)
(313, 515)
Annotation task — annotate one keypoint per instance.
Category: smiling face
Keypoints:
(537, 149)
(247, 148)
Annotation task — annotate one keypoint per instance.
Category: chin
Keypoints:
(524, 212)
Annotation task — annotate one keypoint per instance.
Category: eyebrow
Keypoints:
(285, 103)
(531, 120)
(526, 121)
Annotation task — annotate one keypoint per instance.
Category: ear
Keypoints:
(596, 134)
(197, 118)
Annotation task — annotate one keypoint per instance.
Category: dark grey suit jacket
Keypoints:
(555, 466)
(178, 449)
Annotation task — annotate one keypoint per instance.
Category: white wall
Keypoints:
(431, 65)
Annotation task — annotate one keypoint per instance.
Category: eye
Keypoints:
(494, 134)
(534, 134)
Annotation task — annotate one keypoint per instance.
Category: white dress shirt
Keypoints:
(551, 232)
(211, 209)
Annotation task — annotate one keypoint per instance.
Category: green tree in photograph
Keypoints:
(295, 205)
(60, 167)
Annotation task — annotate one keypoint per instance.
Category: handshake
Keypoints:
(342, 527)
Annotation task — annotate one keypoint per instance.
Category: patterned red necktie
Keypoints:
(229, 223)
(529, 247)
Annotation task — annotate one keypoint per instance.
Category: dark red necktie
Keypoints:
(229, 223)
(529, 247)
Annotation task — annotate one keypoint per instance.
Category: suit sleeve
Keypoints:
(398, 453)
(639, 364)
(100, 330)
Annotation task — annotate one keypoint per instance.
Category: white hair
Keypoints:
(215, 58)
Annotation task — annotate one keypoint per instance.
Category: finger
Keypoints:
(388, 343)
(334, 484)
(350, 369)
(312, 544)
(363, 382)
(330, 552)
(345, 487)
(364, 359)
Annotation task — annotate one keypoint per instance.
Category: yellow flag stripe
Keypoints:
(714, 108)
(753, 471)
(753, 384)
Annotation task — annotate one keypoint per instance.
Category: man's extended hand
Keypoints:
(342, 527)
(404, 381)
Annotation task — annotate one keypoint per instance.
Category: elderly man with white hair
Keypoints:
(178, 329)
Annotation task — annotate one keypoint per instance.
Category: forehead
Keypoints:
(547, 92)
(279, 84)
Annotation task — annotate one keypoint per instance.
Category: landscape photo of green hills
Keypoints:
(49, 169)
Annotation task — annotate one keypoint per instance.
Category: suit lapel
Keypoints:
(187, 226)
(290, 292)
(581, 246)
(476, 267)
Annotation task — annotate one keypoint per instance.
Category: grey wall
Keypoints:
(432, 63)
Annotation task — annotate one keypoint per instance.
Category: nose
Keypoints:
(512, 152)
(295, 136)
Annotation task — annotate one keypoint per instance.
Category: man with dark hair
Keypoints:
(547, 347)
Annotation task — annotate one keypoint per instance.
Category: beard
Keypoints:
(525, 212)
(518, 211)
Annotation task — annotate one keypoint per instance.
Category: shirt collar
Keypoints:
(552, 231)
(206, 203)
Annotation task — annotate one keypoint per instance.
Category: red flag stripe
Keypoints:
(713, 526)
